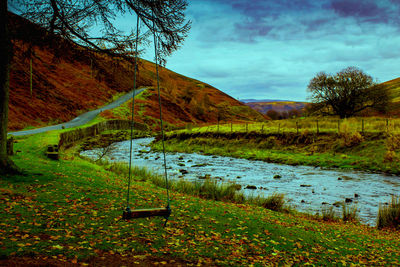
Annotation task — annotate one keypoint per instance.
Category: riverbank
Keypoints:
(305, 188)
(370, 152)
(69, 211)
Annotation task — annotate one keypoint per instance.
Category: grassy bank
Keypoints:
(329, 125)
(70, 211)
(371, 152)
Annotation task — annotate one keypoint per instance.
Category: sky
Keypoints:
(271, 49)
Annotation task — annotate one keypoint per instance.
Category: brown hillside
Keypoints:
(68, 80)
(394, 88)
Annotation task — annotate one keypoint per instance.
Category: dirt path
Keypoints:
(81, 119)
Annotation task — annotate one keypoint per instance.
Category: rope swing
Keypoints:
(142, 213)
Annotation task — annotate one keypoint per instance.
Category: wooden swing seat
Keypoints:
(144, 213)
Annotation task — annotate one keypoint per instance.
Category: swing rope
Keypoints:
(161, 119)
(128, 209)
(154, 212)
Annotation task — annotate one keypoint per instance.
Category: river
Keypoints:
(306, 188)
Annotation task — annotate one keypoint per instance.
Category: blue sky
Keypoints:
(272, 48)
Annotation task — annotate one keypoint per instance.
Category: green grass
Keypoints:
(349, 213)
(389, 215)
(309, 125)
(207, 189)
(70, 210)
(328, 214)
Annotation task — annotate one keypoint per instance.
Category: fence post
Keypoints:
(10, 146)
(362, 126)
(387, 125)
(279, 127)
(247, 127)
(231, 127)
(262, 128)
(338, 126)
(317, 127)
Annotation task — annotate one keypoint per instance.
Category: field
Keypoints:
(334, 143)
(307, 125)
(69, 211)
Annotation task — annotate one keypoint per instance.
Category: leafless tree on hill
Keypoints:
(346, 93)
(75, 21)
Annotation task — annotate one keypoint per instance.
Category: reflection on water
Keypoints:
(306, 188)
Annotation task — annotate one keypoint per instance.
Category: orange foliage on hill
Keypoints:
(68, 80)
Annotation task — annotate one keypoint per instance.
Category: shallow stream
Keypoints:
(305, 188)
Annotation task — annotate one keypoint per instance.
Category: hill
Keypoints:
(68, 80)
(394, 87)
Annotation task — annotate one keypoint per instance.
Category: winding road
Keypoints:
(81, 119)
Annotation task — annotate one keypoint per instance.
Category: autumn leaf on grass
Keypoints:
(298, 245)
(57, 247)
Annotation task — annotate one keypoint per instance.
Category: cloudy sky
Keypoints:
(270, 49)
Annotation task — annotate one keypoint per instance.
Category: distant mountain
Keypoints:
(265, 105)
(277, 105)
(262, 100)
(68, 80)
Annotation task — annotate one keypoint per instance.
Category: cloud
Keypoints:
(357, 8)
(382, 11)
(271, 49)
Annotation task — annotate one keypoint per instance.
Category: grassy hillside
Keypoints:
(394, 87)
(68, 80)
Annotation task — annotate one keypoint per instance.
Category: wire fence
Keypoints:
(305, 125)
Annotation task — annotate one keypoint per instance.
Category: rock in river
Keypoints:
(183, 171)
(251, 187)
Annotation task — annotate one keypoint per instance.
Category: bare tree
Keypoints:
(346, 93)
(74, 20)
(105, 151)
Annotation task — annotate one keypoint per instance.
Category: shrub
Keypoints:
(329, 214)
(269, 143)
(274, 202)
(352, 139)
(159, 180)
(389, 215)
(122, 168)
(116, 167)
(393, 142)
(390, 156)
(350, 136)
(345, 127)
(349, 213)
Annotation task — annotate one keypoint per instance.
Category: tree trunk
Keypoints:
(7, 166)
